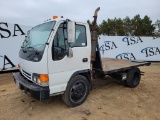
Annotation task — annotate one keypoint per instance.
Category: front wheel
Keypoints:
(77, 91)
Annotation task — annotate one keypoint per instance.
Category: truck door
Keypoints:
(62, 67)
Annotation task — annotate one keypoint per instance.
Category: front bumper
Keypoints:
(34, 90)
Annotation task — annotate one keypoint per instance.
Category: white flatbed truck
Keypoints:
(60, 56)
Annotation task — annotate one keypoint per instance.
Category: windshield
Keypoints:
(35, 42)
(38, 36)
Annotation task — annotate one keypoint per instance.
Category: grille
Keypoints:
(27, 75)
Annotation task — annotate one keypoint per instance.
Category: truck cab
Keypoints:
(60, 56)
(48, 60)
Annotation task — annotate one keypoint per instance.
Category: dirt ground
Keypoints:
(109, 100)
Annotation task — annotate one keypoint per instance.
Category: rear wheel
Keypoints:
(133, 77)
(77, 91)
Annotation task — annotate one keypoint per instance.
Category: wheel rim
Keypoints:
(78, 91)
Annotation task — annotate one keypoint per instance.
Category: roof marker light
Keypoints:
(55, 17)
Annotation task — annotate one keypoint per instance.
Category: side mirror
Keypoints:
(71, 31)
(28, 32)
(69, 52)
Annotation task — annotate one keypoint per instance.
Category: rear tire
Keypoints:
(77, 91)
(133, 77)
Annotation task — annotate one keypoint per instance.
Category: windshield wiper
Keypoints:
(30, 47)
(24, 50)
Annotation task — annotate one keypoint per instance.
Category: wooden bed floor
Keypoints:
(110, 64)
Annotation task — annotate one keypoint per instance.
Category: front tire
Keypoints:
(77, 91)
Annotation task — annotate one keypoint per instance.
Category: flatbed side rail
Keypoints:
(127, 68)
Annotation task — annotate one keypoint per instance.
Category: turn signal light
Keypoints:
(44, 78)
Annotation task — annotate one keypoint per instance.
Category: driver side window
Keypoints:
(59, 46)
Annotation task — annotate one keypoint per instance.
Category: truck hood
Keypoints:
(40, 67)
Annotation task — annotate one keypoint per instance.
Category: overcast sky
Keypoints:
(33, 12)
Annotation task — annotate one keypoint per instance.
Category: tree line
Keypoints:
(135, 26)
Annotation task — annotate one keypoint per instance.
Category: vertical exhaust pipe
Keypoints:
(94, 37)
(95, 19)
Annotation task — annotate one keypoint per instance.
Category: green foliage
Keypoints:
(157, 28)
(121, 27)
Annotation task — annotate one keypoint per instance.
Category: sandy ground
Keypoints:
(109, 100)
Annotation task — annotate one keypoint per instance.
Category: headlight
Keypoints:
(42, 79)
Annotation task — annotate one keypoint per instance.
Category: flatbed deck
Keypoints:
(111, 65)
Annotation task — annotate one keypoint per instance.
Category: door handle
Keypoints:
(85, 60)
